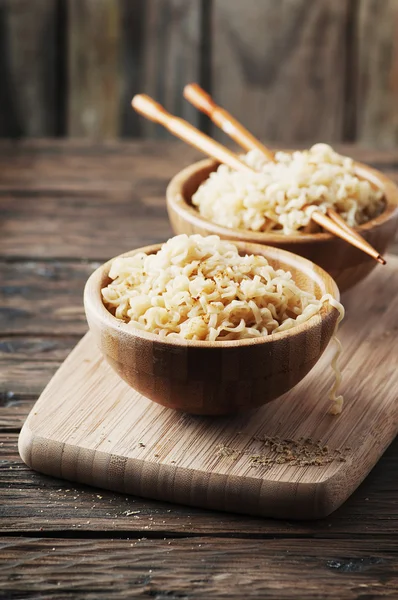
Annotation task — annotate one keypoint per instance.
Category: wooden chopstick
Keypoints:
(223, 119)
(337, 219)
(346, 234)
(154, 111)
(332, 214)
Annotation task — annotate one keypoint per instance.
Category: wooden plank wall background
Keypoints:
(291, 70)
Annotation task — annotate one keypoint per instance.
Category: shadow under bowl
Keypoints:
(346, 264)
(222, 377)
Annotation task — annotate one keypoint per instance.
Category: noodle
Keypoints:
(338, 401)
(282, 195)
(201, 288)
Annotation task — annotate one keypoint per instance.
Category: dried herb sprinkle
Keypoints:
(303, 452)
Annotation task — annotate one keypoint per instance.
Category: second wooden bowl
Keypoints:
(346, 264)
(215, 378)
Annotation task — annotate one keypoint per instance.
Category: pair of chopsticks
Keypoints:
(153, 111)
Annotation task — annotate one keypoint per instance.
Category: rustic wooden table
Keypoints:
(65, 207)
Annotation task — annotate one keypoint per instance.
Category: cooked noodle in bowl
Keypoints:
(201, 288)
(280, 196)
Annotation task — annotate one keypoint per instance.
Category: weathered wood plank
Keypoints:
(13, 416)
(29, 73)
(46, 298)
(99, 212)
(56, 505)
(27, 363)
(380, 492)
(24, 379)
(42, 348)
(95, 202)
(350, 555)
(94, 225)
(32, 502)
(171, 57)
(94, 75)
(376, 70)
(132, 32)
(279, 66)
(118, 48)
(199, 568)
(43, 298)
(115, 419)
(147, 154)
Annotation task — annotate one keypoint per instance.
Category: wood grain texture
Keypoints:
(94, 77)
(24, 378)
(28, 68)
(215, 378)
(28, 362)
(43, 298)
(103, 200)
(171, 57)
(278, 67)
(350, 554)
(376, 72)
(132, 50)
(118, 48)
(330, 65)
(199, 568)
(32, 502)
(36, 348)
(94, 441)
(98, 201)
(345, 263)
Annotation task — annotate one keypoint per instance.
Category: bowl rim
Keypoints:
(177, 202)
(93, 303)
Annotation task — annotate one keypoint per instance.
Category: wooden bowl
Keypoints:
(346, 264)
(215, 378)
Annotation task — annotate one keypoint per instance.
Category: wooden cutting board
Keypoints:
(89, 426)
